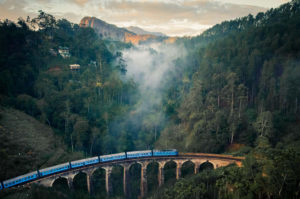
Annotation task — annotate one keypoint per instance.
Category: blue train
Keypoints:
(84, 162)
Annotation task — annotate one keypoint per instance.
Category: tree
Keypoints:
(45, 23)
(81, 131)
(264, 124)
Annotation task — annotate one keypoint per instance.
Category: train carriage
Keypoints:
(54, 169)
(20, 179)
(170, 152)
(79, 163)
(83, 162)
(138, 154)
(111, 157)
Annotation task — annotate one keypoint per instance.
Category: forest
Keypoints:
(234, 89)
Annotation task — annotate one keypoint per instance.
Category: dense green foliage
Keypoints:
(79, 104)
(238, 87)
(266, 173)
(20, 153)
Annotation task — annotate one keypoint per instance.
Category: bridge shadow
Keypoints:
(117, 181)
(98, 183)
(61, 184)
(206, 166)
(170, 172)
(80, 183)
(187, 169)
(152, 176)
(134, 181)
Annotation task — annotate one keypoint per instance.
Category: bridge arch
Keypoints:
(117, 181)
(80, 181)
(206, 165)
(170, 171)
(187, 168)
(134, 180)
(97, 185)
(60, 183)
(152, 176)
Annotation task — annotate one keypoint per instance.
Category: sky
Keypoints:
(171, 17)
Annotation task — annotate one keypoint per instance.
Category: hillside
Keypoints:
(140, 31)
(27, 144)
(239, 89)
(78, 105)
(239, 81)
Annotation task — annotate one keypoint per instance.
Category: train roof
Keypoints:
(145, 151)
(165, 150)
(86, 159)
(54, 167)
(110, 155)
(19, 177)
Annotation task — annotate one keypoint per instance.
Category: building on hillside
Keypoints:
(74, 67)
(64, 52)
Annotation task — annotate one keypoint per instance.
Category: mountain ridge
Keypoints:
(134, 35)
(140, 31)
(105, 30)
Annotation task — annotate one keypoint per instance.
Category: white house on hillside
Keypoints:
(74, 67)
(64, 52)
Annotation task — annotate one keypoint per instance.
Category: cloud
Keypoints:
(148, 65)
(172, 17)
(12, 10)
(81, 2)
(193, 13)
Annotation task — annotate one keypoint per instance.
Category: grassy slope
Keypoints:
(27, 144)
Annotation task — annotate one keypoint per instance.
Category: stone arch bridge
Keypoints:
(196, 158)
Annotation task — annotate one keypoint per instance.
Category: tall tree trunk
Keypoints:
(240, 106)
(296, 105)
(232, 135)
(72, 145)
(232, 103)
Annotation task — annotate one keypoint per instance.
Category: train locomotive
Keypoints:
(84, 162)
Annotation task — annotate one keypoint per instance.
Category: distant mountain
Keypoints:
(140, 31)
(132, 34)
(105, 30)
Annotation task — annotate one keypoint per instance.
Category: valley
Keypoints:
(72, 91)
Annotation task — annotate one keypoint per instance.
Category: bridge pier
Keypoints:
(178, 169)
(197, 166)
(143, 185)
(89, 181)
(161, 174)
(108, 185)
(70, 182)
(125, 178)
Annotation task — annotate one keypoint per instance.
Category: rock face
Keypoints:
(105, 30)
(132, 35)
(137, 39)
